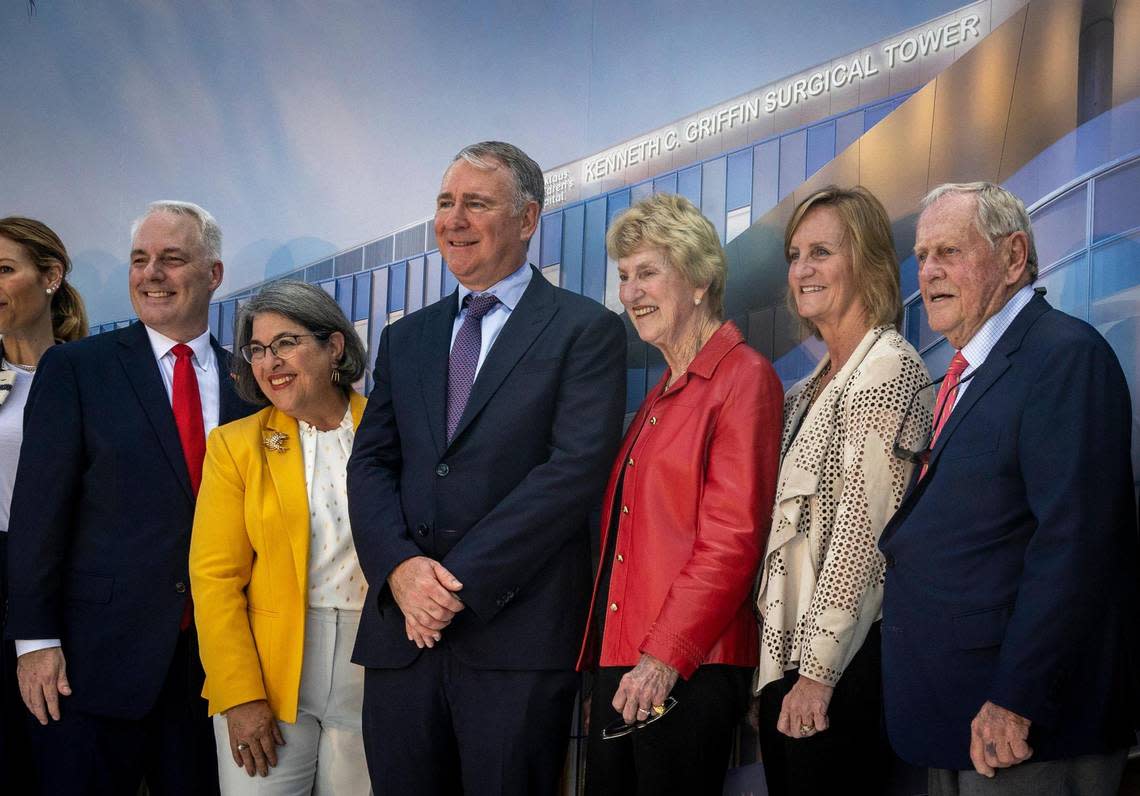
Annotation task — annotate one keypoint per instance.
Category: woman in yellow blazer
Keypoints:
(276, 584)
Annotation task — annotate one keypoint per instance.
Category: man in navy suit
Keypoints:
(1009, 614)
(485, 444)
(99, 601)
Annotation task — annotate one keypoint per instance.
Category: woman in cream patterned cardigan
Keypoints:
(820, 592)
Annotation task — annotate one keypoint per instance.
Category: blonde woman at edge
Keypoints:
(276, 582)
(821, 587)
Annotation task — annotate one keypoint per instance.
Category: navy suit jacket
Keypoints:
(1011, 567)
(504, 506)
(101, 514)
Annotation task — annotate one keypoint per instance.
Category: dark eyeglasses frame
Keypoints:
(619, 729)
(247, 352)
(921, 457)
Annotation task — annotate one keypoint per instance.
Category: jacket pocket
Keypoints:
(983, 628)
(89, 588)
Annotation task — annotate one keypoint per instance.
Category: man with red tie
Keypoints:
(1009, 613)
(99, 602)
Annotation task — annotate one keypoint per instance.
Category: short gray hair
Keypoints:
(529, 183)
(997, 213)
(208, 229)
(312, 308)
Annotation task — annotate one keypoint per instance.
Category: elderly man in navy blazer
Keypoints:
(485, 444)
(99, 601)
(1009, 615)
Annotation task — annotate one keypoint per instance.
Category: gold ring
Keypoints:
(659, 710)
(804, 729)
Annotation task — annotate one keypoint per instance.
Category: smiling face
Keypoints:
(171, 276)
(24, 301)
(821, 275)
(963, 279)
(660, 301)
(299, 386)
(480, 235)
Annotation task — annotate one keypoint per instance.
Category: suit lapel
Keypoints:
(526, 322)
(141, 370)
(435, 348)
(287, 470)
(230, 406)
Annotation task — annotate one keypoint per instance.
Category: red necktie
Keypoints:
(187, 405)
(947, 393)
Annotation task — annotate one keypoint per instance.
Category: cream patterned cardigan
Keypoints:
(821, 584)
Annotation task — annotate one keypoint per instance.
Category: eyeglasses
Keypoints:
(620, 729)
(912, 441)
(283, 347)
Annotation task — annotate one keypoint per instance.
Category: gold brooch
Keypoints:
(275, 441)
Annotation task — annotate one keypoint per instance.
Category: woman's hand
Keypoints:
(643, 687)
(804, 710)
(254, 736)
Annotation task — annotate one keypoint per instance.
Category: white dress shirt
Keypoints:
(11, 433)
(982, 343)
(206, 369)
(508, 291)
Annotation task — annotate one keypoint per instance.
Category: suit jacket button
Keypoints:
(442, 469)
(422, 529)
(653, 420)
(180, 587)
(613, 606)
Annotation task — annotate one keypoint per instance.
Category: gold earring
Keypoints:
(336, 375)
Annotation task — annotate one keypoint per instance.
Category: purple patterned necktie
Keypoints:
(464, 357)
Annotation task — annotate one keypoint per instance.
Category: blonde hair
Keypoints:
(674, 225)
(44, 247)
(874, 264)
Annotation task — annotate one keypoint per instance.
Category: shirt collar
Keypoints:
(200, 345)
(983, 342)
(507, 290)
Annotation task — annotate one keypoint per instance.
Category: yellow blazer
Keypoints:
(249, 563)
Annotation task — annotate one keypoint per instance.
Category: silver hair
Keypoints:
(997, 213)
(529, 184)
(312, 308)
(208, 229)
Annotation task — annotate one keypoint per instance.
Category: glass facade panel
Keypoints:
(450, 283)
(229, 309)
(397, 281)
(847, 129)
(875, 114)
(820, 146)
(1059, 227)
(411, 241)
(938, 358)
(765, 177)
(737, 222)
(573, 223)
(551, 239)
(793, 161)
(433, 278)
(641, 191)
(689, 184)
(1117, 205)
(666, 183)
(322, 270)
(1067, 286)
(215, 320)
(415, 298)
(635, 385)
(616, 202)
(349, 262)
(739, 181)
(594, 260)
(918, 331)
(378, 253)
(908, 276)
(329, 286)
(799, 362)
(712, 194)
(362, 297)
(344, 295)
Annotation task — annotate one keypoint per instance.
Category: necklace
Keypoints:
(18, 366)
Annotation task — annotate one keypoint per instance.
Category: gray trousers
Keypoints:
(1088, 775)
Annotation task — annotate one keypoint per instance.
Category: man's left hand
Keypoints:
(999, 738)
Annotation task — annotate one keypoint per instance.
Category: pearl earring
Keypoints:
(50, 290)
(697, 301)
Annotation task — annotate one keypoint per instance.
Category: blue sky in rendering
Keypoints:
(309, 127)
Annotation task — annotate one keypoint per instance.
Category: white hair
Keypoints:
(208, 229)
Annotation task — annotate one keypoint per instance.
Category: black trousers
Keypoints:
(854, 747)
(171, 748)
(441, 727)
(17, 774)
(685, 752)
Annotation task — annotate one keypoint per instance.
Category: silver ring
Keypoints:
(242, 747)
(643, 710)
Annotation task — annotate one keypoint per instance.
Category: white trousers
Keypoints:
(324, 751)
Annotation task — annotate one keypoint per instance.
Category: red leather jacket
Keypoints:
(700, 462)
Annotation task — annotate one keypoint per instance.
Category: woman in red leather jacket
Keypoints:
(684, 520)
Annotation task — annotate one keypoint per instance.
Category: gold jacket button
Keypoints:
(613, 606)
(625, 509)
(653, 420)
(620, 558)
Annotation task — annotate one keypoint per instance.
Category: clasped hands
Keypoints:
(425, 591)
